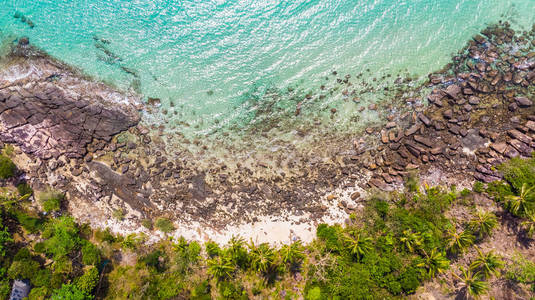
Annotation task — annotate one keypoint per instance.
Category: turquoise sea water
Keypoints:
(215, 62)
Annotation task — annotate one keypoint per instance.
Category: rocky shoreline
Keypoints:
(480, 112)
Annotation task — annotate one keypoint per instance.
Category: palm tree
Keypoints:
(473, 284)
(220, 267)
(517, 204)
(529, 223)
(237, 252)
(435, 262)
(292, 254)
(458, 242)
(483, 223)
(488, 263)
(358, 243)
(262, 257)
(411, 240)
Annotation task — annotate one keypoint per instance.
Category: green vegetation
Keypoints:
(24, 189)
(385, 251)
(522, 270)
(164, 225)
(51, 200)
(478, 187)
(483, 223)
(473, 284)
(487, 263)
(7, 167)
(119, 214)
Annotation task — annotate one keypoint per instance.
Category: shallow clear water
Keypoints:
(216, 60)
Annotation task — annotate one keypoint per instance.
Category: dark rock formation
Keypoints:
(49, 109)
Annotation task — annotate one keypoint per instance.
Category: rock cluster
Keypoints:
(481, 112)
(50, 110)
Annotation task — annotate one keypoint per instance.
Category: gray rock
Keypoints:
(50, 119)
(473, 100)
(453, 91)
(523, 102)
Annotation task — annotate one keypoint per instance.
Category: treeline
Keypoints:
(388, 250)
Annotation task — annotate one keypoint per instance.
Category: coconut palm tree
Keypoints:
(517, 204)
(411, 240)
(262, 257)
(459, 241)
(220, 267)
(358, 243)
(529, 223)
(483, 223)
(473, 283)
(434, 262)
(237, 252)
(488, 263)
(292, 254)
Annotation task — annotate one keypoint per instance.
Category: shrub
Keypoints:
(147, 223)
(104, 235)
(23, 269)
(51, 200)
(131, 241)
(229, 290)
(5, 288)
(39, 293)
(164, 225)
(329, 234)
(24, 189)
(521, 270)
(119, 214)
(155, 260)
(42, 278)
(90, 254)
(519, 171)
(212, 249)
(88, 281)
(465, 192)
(410, 280)
(31, 224)
(499, 190)
(201, 291)
(5, 238)
(62, 237)
(62, 265)
(478, 187)
(314, 293)
(381, 207)
(70, 292)
(7, 167)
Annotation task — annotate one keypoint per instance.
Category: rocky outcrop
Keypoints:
(480, 114)
(49, 109)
